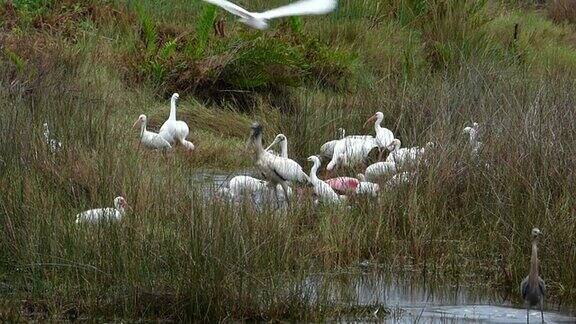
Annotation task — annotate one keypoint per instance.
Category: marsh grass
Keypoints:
(178, 256)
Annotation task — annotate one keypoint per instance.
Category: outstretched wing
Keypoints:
(301, 8)
(232, 8)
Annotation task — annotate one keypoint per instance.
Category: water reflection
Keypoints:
(413, 301)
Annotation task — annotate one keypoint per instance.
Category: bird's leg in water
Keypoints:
(527, 313)
(542, 309)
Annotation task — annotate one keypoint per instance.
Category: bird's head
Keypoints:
(313, 159)
(141, 120)
(256, 130)
(377, 116)
(394, 145)
(120, 202)
(175, 96)
(280, 138)
(536, 233)
(467, 130)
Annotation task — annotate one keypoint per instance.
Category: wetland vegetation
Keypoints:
(90, 67)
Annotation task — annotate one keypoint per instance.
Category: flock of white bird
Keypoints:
(278, 171)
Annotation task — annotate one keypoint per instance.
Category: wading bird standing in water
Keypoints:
(533, 287)
(276, 169)
(260, 20)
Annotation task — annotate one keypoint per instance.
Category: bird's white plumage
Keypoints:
(149, 139)
(379, 170)
(322, 190)
(259, 20)
(283, 141)
(475, 144)
(367, 188)
(275, 169)
(327, 149)
(352, 150)
(101, 214)
(384, 136)
(175, 131)
(53, 144)
(401, 156)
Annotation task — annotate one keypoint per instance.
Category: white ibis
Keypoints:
(175, 131)
(367, 188)
(401, 156)
(283, 141)
(327, 149)
(475, 144)
(351, 151)
(322, 190)
(379, 170)
(53, 144)
(260, 20)
(384, 136)
(276, 169)
(101, 214)
(149, 139)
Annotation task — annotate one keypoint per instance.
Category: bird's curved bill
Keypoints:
(369, 120)
(136, 123)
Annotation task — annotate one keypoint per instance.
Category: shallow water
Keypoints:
(407, 300)
(410, 301)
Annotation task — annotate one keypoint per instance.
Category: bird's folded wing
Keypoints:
(301, 8)
(232, 8)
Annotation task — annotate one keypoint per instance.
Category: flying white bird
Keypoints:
(384, 136)
(52, 143)
(276, 169)
(100, 214)
(322, 190)
(175, 130)
(378, 170)
(327, 149)
(280, 138)
(150, 139)
(260, 20)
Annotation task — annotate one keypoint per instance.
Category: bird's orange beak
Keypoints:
(371, 119)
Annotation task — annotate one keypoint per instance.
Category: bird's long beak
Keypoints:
(273, 143)
(370, 120)
(136, 123)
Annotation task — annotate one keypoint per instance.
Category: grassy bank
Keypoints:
(89, 68)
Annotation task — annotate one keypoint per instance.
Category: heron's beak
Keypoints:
(136, 123)
(370, 120)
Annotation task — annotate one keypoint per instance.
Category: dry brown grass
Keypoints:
(562, 10)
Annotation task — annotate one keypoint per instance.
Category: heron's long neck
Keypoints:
(284, 148)
(473, 137)
(533, 276)
(314, 170)
(172, 109)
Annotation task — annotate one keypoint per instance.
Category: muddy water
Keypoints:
(409, 301)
